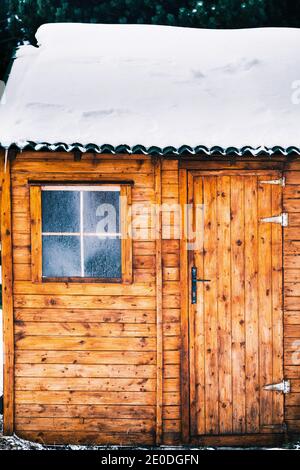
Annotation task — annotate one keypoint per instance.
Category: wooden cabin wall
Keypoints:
(171, 302)
(291, 203)
(85, 354)
(7, 297)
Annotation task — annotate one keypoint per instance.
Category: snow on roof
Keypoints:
(155, 86)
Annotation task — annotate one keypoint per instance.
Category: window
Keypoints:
(80, 233)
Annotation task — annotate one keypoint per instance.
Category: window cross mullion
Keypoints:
(81, 235)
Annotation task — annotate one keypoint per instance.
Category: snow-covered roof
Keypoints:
(144, 87)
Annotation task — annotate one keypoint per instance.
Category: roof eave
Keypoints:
(184, 150)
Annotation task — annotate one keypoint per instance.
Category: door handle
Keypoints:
(194, 284)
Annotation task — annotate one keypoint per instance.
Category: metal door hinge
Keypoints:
(284, 387)
(282, 219)
(280, 182)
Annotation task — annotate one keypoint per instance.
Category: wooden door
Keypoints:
(236, 345)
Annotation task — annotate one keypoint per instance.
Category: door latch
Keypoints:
(194, 284)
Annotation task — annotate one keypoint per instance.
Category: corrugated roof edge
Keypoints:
(154, 150)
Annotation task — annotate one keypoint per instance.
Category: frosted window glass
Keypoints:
(102, 257)
(61, 256)
(61, 211)
(101, 211)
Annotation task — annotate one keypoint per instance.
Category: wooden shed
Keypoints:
(151, 271)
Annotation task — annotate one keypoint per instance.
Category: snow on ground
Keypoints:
(155, 85)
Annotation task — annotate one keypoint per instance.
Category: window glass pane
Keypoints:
(101, 211)
(102, 257)
(60, 211)
(61, 256)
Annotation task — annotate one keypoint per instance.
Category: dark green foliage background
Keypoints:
(19, 19)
